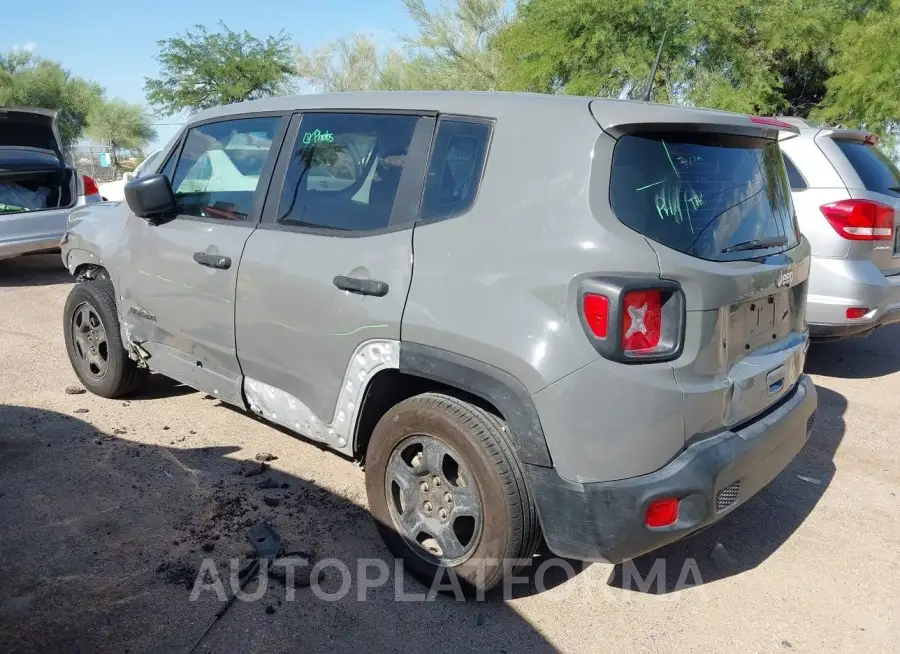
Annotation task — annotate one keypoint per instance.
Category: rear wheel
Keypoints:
(94, 342)
(448, 492)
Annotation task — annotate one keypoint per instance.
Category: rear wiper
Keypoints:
(895, 189)
(758, 244)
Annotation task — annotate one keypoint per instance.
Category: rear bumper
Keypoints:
(836, 285)
(604, 521)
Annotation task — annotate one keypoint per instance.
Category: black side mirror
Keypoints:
(150, 197)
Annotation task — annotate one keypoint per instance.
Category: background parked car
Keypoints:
(847, 195)
(37, 187)
(115, 191)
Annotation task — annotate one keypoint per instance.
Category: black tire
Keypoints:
(121, 375)
(509, 528)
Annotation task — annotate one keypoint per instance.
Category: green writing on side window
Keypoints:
(317, 136)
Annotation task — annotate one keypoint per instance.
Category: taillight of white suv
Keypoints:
(860, 220)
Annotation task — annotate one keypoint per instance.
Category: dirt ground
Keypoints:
(109, 509)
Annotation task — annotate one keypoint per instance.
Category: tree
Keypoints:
(452, 50)
(346, 64)
(30, 81)
(199, 69)
(865, 89)
(770, 56)
(123, 125)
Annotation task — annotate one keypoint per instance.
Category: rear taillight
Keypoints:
(89, 186)
(633, 320)
(860, 220)
(596, 314)
(642, 321)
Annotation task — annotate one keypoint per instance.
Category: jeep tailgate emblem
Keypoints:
(785, 277)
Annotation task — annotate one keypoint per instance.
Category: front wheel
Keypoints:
(447, 492)
(94, 342)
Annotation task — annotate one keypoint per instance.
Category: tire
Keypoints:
(508, 528)
(94, 301)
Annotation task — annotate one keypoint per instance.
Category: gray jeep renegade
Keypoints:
(531, 317)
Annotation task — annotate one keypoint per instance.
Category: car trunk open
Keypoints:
(33, 173)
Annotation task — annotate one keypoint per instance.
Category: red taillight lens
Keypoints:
(90, 186)
(860, 220)
(641, 321)
(856, 312)
(662, 512)
(596, 314)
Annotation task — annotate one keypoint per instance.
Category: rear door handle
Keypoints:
(212, 260)
(361, 286)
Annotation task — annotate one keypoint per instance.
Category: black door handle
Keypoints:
(361, 286)
(212, 260)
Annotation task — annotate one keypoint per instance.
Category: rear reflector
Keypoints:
(90, 186)
(856, 312)
(662, 512)
(596, 314)
(641, 321)
(860, 220)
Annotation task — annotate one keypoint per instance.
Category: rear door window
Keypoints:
(713, 196)
(877, 172)
(794, 177)
(456, 166)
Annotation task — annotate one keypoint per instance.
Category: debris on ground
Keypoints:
(180, 573)
(270, 609)
(266, 482)
(265, 456)
(299, 562)
(271, 501)
(75, 390)
(809, 480)
(254, 469)
(165, 427)
(118, 431)
(80, 411)
(209, 546)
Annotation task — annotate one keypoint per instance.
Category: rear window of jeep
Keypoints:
(707, 195)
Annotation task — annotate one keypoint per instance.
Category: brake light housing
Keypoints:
(633, 320)
(88, 186)
(860, 220)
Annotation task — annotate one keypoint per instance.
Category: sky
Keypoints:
(114, 43)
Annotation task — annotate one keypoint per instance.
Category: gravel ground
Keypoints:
(109, 509)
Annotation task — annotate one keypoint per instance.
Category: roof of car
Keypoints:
(473, 103)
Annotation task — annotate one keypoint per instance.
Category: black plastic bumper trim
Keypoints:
(604, 521)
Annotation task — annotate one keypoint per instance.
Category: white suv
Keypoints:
(846, 193)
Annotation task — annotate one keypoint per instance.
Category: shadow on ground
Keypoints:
(754, 531)
(33, 270)
(103, 537)
(857, 358)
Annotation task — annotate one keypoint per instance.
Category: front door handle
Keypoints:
(361, 286)
(212, 260)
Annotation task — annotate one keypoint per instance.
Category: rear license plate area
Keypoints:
(761, 316)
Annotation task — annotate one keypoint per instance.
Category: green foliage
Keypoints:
(865, 89)
(452, 50)
(27, 80)
(123, 125)
(200, 69)
(771, 56)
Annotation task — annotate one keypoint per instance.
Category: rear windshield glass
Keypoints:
(875, 169)
(718, 197)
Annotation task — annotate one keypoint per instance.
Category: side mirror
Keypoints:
(150, 197)
(127, 177)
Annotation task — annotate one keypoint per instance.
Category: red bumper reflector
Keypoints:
(856, 312)
(662, 512)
